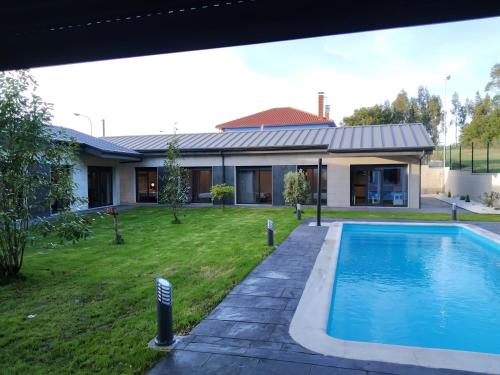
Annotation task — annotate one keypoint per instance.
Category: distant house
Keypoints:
(285, 118)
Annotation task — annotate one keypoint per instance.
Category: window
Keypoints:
(311, 173)
(379, 185)
(100, 184)
(147, 185)
(254, 185)
(201, 182)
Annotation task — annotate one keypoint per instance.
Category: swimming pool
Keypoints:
(422, 294)
(426, 286)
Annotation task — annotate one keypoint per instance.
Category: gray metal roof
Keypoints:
(343, 139)
(100, 144)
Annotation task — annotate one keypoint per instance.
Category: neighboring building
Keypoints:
(375, 165)
(282, 119)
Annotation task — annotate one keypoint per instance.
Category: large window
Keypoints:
(379, 185)
(100, 181)
(201, 182)
(311, 173)
(254, 185)
(147, 185)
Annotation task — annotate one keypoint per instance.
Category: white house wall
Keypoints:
(80, 177)
(338, 170)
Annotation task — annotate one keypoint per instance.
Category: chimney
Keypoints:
(327, 111)
(321, 104)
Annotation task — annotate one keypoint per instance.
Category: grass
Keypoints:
(95, 302)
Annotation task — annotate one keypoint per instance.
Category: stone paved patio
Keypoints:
(248, 332)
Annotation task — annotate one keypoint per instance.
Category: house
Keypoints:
(375, 165)
(282, 118)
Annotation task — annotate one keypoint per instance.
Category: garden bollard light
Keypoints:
(299, 211)
(270, 233)
(454, 211)
(165, 335)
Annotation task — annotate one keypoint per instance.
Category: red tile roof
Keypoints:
(276, 117)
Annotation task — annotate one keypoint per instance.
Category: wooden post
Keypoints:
(318, 199)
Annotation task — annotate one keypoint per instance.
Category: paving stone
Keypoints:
(323, 370)
(222, 341)
(249, 314)
(212, 328)
(215, 348)
(269, 345)
(219, 364)
(296, 348)
(292, 304)
(280, 334)
(271, 367)
(255, 301)
(251, 331)
(292, 292)
(256, 290)
(275, 283)
(181, 362)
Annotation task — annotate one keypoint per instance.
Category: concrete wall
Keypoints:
(432, 179)
(338, 171)
(80, 177)
(474, 184)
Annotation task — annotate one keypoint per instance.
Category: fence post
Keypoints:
(460, 156)
(472, 157)
(487, 157)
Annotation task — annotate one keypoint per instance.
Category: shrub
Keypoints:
(449, 194)
(490, 199)
(220, 192)
(296, 188)
(67, 226)
(467, 198)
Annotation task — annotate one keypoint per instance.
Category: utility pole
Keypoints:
(444, 129)
(103, 128)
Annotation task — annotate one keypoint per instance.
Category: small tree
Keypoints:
(34, 164)
(175, 191)
(296, 188)
(118, 237)
(219, 192)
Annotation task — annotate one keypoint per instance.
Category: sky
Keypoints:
(194, 91)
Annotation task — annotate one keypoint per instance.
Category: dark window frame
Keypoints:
(381, 167)
(101, 169)
(146, 169)
(191, 182)
(324, 187)
(258, 169)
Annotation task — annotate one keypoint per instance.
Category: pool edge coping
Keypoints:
(308, 325)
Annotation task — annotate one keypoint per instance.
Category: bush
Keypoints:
(467, 198)
(220, 192)
(490, 199)
(449, 194)
(67, 226)
(296, 188)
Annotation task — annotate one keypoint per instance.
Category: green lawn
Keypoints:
(95, 302)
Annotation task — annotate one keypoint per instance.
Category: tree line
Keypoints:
(476, 120)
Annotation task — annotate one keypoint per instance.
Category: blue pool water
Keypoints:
(427, 286)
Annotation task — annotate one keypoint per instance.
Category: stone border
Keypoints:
(308, 326)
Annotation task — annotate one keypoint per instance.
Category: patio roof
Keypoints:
(368, 138)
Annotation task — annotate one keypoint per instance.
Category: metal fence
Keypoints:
(475, 157)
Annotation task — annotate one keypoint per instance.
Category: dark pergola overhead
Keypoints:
(51, 32)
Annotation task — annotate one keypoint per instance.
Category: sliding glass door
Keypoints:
(201, 182)
(100, 186)
(254, 185)
(379, 185)
(311, 174)
(146, 185)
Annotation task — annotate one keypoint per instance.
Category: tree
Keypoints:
(459, 112)
(219, 192)
(296, 188)
(493, 85)
(34, 164)
(424, 108)
(175, 191)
